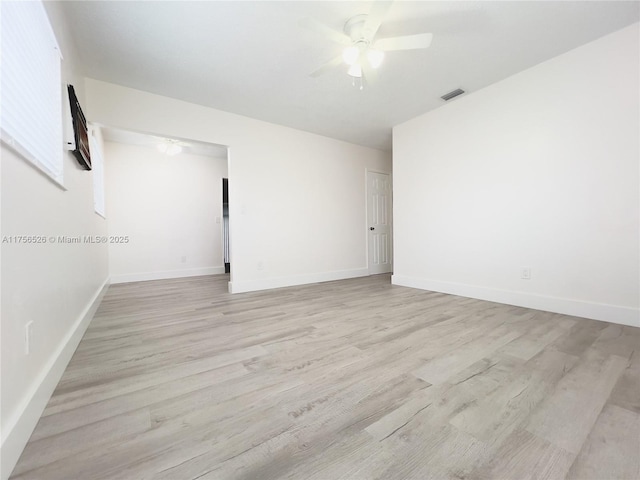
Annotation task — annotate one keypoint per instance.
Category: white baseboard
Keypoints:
(16, 432)
(163, 275)
(577, 308)
(278, 282)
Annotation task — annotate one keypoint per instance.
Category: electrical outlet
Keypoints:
(260, 266)
(183, 259)
(28, 335)
(526, 273)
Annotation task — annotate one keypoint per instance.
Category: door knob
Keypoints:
(372, 228)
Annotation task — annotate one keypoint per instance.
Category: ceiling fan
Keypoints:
(170, 146)
(364, 52)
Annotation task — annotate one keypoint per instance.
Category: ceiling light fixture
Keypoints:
(355, 70)
(169, 147)
(375, 58)
(351, 55)
(356, 76)
(359, 54)
(362, 50)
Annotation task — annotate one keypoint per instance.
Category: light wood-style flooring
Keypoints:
(355, 379)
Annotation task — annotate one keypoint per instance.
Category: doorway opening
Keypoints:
(225, 224)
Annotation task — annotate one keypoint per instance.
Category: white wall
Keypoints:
(539, 170)
(297, 200)
(168, 207)
(55, 286)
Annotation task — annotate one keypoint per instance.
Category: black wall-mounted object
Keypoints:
(80, 131)
(448, 96)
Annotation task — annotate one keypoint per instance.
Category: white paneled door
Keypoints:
(379, 222)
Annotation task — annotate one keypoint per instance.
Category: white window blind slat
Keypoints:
(31, 115)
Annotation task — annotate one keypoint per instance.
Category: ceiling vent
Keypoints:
(448, 96)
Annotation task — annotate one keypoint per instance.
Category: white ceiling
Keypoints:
(252, 58)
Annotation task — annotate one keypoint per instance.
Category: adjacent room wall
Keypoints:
(164, 213)
(538, 171)
(297, 200)
(56, 286)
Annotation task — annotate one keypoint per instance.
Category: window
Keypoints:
(97, 164)
(31, 116)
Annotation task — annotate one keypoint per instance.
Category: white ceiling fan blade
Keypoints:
(327, 32)
(369, 74)
(407, 42)
(375, 17)
(330, 65)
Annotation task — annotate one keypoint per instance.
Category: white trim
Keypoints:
(278, 282)
(166, 274)
(366, 217)
(18, 429)
(578, 308)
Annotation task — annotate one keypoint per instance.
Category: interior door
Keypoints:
(379, 222)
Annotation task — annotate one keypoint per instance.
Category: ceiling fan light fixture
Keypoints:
(375, 58)
(173, 149)
(361, 49)
(355, 71)
(169, 147)
(350, 55)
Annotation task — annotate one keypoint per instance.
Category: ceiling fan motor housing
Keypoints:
(354, 28)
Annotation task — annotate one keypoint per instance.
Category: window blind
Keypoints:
(31, 86)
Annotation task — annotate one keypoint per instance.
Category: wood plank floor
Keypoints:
(355, 379)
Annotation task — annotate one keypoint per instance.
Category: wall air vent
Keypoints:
(448, 96)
